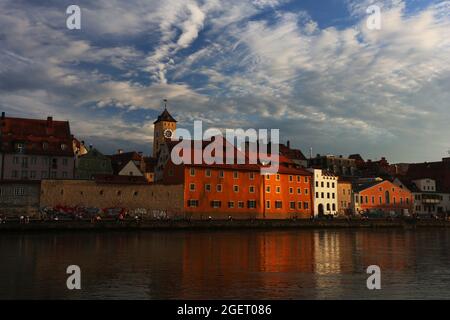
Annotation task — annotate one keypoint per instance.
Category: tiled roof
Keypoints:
(40, 137)
(120, 160)
(165, 116)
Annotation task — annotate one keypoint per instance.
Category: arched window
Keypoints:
(387, 196)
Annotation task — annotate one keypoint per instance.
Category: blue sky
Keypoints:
(310, 68)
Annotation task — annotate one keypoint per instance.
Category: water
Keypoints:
(251, 264)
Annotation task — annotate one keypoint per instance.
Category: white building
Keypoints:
(325, 192)
(428, 200)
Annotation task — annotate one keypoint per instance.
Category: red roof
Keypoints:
(47, 137)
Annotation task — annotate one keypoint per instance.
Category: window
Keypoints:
(317, 184)
(299, 191)
(381, 200)
(334, 207)
(267, 177)
(306, 191)
(278, 177)
(235, 175)
(63, 146)
(277, 189)
(219, 188)
(231, 204)
(207, 187)
(322, 184)
(33, 160)
(192, 187)
(306, 180)
(322, 195)
(333, 196)
(32, 174)
(328, 184)
(192, 203)
(268, 189)
(236, 188)
(328, 207)
(16, 160)
(299, 204)
(291, 178)
(305, 205)
(251, 189)
(216, 204)
(251, 175)
(298, 178)
(240, 204)
(208, 172)
(292, 205)
(20, 147)
(221, 174)
(65, 162)
(317, 195)
(291, 190)
(328, 195)
(332, 185)
(24, 174)
(251, 204)
(43, 174)
(45, 145)
(366, 200)
(19, 191)
(24, 162)
(64, 174)
(373, 200)
(268, 204)
(278, 204)
(192, 172)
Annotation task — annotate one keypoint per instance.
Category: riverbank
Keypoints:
(218, 224)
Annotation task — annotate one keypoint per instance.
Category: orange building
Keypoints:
(382, 196)
(240, 191)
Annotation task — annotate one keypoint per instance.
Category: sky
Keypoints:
(309, 68)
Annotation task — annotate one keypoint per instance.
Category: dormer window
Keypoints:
(63, 147)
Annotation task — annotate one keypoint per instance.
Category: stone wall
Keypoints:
(19, 198)
(154, 198)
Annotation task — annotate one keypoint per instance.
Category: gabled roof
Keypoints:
(165, 116)
(120, 160)
(46, 137)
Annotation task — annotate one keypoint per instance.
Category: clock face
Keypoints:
(168, 133)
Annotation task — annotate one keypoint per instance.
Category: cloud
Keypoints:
(262, 64)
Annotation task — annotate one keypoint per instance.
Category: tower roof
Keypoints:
(165, 116)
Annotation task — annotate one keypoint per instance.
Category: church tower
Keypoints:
(164, 126)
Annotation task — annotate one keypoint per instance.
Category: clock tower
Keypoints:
(163, 128)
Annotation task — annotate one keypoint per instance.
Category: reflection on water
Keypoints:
(294, 264)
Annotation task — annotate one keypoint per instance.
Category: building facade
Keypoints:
(33, 149)
(345, 196)
(336, 164)
(325, 191)
(383, 197)
(91, 164)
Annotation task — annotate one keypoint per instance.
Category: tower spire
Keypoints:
(165, 104)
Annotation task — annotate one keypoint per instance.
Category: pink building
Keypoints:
(33, 149)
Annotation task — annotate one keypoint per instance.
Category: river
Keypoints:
(251, 264)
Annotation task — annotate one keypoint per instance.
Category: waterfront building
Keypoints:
(369, 168)
(439, 171)
(325, 189)
(428, 200)
(91, 164)
(345, 196)
(295, 155)
(240, 191)
(381, 196)
(32, 149)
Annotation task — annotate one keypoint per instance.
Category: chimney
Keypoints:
(119, 151)
(288, 143)
(3, 115)
(49, 122)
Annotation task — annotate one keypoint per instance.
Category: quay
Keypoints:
(106, 225)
